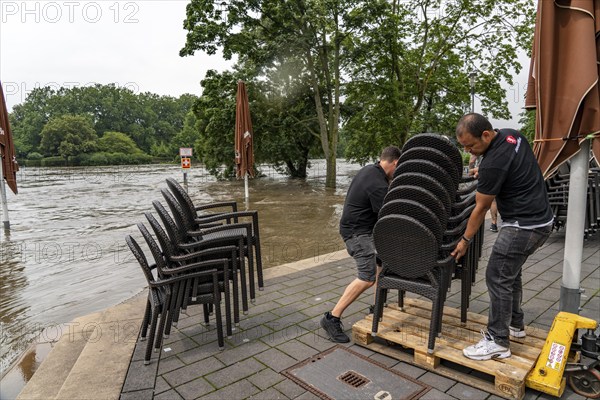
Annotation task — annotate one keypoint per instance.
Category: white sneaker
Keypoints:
(516, 332)
(486, 349)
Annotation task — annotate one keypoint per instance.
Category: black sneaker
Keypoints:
(334, 329)
(494, 228)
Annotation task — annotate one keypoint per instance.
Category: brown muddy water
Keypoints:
(65, 255)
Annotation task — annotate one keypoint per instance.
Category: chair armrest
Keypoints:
(229, 216)
(201, 253)
(179, 278)
(231, 204)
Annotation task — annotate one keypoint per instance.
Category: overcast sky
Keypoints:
(67, 43)
(134, 44)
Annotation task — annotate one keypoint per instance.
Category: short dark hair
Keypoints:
(474, 124)
(390, 153)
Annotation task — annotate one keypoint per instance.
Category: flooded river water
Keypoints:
(65, 255)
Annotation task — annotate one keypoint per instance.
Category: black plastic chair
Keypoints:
(435, 156)
(409, 251)
(168, 264)
(438, 142)
(225, 234)
(161, 295)
(191, 213)
(178, 238)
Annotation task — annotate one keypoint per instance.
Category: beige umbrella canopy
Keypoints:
(7, 147)
(563, 80)
(563, 88)
(244, 151)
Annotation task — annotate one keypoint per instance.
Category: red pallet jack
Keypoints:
(553, 369)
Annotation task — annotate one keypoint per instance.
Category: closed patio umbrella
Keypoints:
(8, 165)
(563, 88)
(244, 151)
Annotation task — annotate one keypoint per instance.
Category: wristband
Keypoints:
(467, 240)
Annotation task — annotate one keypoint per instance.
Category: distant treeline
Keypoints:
(99, 125)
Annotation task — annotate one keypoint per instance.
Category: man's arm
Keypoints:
(483, 202)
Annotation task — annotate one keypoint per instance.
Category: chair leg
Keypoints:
(146, 321)
(236, 294)
(219, 322)
(401, 299)
(434, 324)
(251, 273)
(206, 312)
(161, 328)
(151, 337)
(380, 294)
(259, 268)
(243, 282)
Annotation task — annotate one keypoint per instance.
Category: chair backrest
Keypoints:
(179, 216)
(175, 234)
(421, 196)
(428, 168)
(425, 182)
(405, 245)
(437, 142)
(140, 257)
(183, 198)
(161, 263)
(416, 210)
(435, 156)
(168, 249)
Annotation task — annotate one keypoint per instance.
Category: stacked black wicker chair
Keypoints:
(169, 263)
(164, 291)
(410, 254)
(425, 194)
(185, 242)
(558, 195)
(465, 196)
(198, 253)
(190, 234)
(196, 221)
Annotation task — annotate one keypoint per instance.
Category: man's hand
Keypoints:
(460, 250)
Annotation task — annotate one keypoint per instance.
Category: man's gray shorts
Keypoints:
(362, 249)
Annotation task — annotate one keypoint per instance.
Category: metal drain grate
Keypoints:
(342, 374)
(353, 379)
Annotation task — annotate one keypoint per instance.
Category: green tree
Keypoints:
(411, 63)
(118, 142)
(28, 119)
(261, 32)
(67, 136)
(527, 122)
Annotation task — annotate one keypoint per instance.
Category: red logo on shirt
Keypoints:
(511, 140)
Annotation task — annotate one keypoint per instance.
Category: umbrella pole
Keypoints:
(246, 193)
(570, 292)
(3, 199)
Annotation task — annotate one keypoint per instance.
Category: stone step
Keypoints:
(103, 340)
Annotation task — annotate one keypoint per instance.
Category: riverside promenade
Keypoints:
(282, 329)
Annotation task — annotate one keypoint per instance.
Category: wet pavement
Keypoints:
(282, 329)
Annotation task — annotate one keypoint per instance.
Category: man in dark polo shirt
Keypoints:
(363, 201)
(510, 174)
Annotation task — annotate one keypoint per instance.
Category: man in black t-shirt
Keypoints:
(508, 173)
(363, 202)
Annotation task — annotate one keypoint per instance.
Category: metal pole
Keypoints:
(3, 199)
(472, 76)
(246, 193)
(570, 292)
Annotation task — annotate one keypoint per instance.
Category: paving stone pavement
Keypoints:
(282, 329)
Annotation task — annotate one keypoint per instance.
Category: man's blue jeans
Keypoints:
(503, 278)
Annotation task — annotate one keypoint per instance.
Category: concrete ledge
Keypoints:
(91, 360)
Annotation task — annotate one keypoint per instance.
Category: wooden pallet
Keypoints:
(410, 329)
